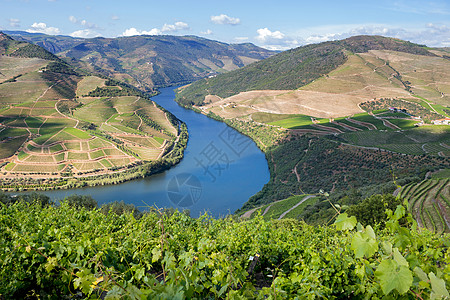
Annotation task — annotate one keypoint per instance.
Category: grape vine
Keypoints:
(61, 251)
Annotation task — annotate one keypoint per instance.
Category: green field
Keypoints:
(375, 138)
(106, 163)
(34, 122)
(365, 117)
(444, 173)
(276, 209)
(297, 121)
(441, 109)
(56, 148)
(96, 154)
(296, 212)
(415, 140)
(10, 147)
(77, 133)
(388, 114)
(403, 123)
(280, 207)
(95, 112)
(78, 156)
(263, 117)
(12, 132)
(22, 155)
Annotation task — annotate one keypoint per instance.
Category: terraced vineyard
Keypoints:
(429, 202)
(52, 127)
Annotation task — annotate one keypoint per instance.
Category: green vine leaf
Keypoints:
(421, 274)
(399, 212)
(394, 276)
(438, 287)
(399, 259)
(364, 243)
(51, 264)
(343, 222)
(387, 248)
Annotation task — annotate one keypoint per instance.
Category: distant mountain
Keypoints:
(152, 61)
(11, 47)
(294, 68)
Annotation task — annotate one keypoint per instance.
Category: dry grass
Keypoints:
(146, 153)
(13, 66)
(429, 76)
(88, 84)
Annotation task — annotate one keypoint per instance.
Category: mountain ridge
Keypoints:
(153, 61)
(293, 68)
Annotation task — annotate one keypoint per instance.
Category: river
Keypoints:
(220, 170)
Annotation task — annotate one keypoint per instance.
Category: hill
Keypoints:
(62, 128)
(294, 68)
(153, 61)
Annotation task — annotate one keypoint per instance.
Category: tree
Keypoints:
(372, 210)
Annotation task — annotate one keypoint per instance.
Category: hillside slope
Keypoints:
(58, 126)
(293, 69)
(153, 61)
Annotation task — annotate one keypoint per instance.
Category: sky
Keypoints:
(275, 24)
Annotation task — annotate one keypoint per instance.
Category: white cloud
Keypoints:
(276, 40)
(225, 20)
(84, 33)
(206, 32)
(133, 31)
(42, 28)
(14, 22)
(431, 35)
(174, 27)
(264, 34)
(318, 38)
(156, 31)
(115, 18)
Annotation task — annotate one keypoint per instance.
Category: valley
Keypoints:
(320, 171)
(360, 117)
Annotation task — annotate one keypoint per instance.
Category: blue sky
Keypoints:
(275, 24)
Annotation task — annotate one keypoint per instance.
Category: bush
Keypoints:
(80, 201)
(371, 211)
(40, 199)
(120, 208)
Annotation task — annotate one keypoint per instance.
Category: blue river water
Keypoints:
(220, 171)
